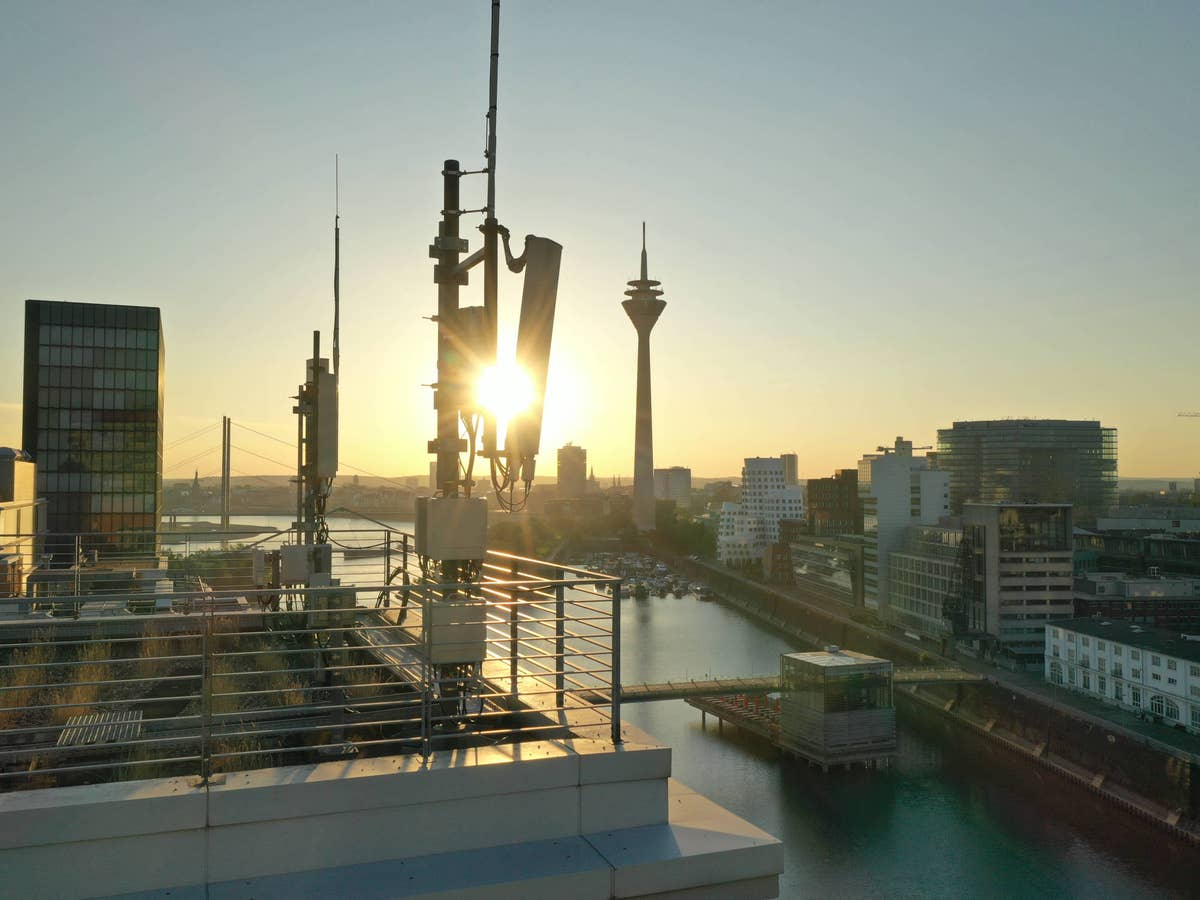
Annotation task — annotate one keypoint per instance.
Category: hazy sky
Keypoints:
(869, 219)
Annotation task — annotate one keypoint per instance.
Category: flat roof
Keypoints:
(830, 658)
(1166, 641)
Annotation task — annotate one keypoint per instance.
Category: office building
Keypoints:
(1154, 671)
(834, 507)
(19, 520)
(675, 484)
(1150, 599)
(93, 418)
(1161, 519)
(925, 580)
(572, 471)
(897, 490)
(1017, 577)
(1032, 460)
(1138, 552)
(826, 569)
(770, 494)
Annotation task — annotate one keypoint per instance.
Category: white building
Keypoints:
(1153, 670)
(675, 484)
(771, 493)
(897, 490)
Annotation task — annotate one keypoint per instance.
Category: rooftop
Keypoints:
(1166, 641)
(836, 657)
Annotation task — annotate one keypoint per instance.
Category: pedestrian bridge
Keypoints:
(766, 684)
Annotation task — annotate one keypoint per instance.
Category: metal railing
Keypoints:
(114, 686)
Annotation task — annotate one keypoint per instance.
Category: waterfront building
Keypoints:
(1155, 671)
(1017, 577)
(20, 511)
(572, 471)
(93, 419)
(897, 489)
(1150, 599)
(643, 306)
(834, 506)
(925, 580)
(771, 493)
(1040, 460)
(1137, 552)
(675, 484)
(1159, 519)
(836, 707)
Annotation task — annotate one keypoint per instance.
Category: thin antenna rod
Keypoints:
(491, 229)
(337, 262)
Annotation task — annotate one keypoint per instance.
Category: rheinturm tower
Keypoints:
(643, 307)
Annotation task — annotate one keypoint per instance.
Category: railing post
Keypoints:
(427, 671)
(512, 633)
(206, 672)
(559, 656)
(387, 567)
(616, 663)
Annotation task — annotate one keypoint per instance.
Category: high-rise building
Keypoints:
(93, 418)
(770, 494)
(572, 471)
(1032, 460)
(834, 506)
(644, 306)
(1017, 578)
(897, 490)
(675, 484)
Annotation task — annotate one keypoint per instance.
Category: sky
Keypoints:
(870, 219)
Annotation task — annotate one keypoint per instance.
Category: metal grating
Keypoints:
(102, 728)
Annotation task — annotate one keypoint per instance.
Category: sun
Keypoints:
(504, 390)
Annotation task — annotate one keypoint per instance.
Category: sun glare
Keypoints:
(504, 390)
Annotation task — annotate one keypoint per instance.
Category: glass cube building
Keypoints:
(1031, 460)
(93, 418)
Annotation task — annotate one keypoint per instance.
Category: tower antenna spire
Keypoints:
(645, 276)
(337, 260)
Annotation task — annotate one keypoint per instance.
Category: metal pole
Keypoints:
(78, 558)
(206, 670)
(616, 663)
(491, 225)
(387, 565)
(447, 398)
(512, 634)
(559, 643)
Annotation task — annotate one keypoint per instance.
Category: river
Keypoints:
(951, 817)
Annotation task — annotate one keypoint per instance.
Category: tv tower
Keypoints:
(643, 308)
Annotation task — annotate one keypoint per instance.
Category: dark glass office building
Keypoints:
(1031, 460)
(93, 418)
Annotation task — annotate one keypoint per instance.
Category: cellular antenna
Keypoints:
(337, 259)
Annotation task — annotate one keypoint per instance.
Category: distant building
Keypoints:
(1138, 552)
(572, 471)
(1032, 460)
(826, 569)
(1155, 671)
(675, 484)
(770, 494)
(1017, 577)
(1151, 599)
(1164, 519)
(19, 520)
(925, 580)
(834, 506)
(897, 490)
(93, 418)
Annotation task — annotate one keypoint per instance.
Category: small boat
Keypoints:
(640, 591)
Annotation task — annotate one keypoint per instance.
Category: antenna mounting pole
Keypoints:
(491, 227)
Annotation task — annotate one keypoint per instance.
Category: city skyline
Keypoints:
(918, 224)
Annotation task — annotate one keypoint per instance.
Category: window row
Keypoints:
(97, 357)
(107, 377)
(90, 398)
(140, 440)
(87, 482)
(90, 336)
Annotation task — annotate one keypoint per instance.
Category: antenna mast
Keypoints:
(337, 254)
(491, 228)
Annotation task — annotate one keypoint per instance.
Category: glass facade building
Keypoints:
(1031, 460)
(93, 418)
